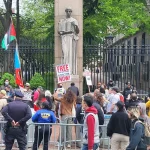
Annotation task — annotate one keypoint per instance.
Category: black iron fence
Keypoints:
(121, 63)
(37, 56)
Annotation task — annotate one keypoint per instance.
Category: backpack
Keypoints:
(146, 132)
(146, 126)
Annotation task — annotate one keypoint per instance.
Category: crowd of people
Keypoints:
(127, 126)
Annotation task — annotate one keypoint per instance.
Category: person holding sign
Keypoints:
(68, 102)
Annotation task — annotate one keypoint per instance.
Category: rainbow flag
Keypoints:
(9, 36)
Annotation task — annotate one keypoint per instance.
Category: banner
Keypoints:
(63, 73)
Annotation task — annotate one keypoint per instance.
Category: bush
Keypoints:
(37, 80)
(10, 77)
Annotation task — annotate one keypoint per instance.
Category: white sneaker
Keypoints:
(68, 146)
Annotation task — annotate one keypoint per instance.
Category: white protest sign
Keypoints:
(63, 73)
(87, 75)
(88, 80)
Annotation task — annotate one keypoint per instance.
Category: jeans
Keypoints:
(85, 146)
(42, 132)
(66, 131)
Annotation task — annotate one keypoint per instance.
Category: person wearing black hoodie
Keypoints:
(118, 128)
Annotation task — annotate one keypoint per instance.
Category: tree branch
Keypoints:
(3, 22)
(5, 3)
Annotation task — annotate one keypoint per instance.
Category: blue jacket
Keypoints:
(137, 137)
(44, 116)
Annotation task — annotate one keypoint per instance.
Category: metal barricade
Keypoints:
(61, 140)
(2, 133)
(104, 140)
(43, 133)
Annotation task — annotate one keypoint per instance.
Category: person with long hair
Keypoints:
(137, 131)
(68, 103)
(146, 119)
(38, 103)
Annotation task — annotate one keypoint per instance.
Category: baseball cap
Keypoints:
(115, 88)
(3, 92)
(27, 84)
(18, 94)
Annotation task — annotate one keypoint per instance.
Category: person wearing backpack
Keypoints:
(137, 131)
(118, 128)
(146, 119)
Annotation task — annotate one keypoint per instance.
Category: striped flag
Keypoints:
(9, 36)
(17, 66)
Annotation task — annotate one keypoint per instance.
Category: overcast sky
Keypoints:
(13, 4)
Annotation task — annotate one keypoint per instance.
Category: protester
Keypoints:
(79, 111)
(91, 125)
(118, 128)
(104, 90)
(43, 132)
(3, 99)
(78, 120)
(110, 84)
(127, 91)
(27, 92)
(97, 102)
(60, 90)
(17, 113)
(146, 119)
(148, 106)
(74, 89)
(40, 100)
(6, 83)
(50, 99)
(113, 98)
(98, 85)
(3, 103)
(36, 94)
(9, 93)
(136, 131)
(67, 104)
(133, 101)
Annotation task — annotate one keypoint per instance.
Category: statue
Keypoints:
(68, 30)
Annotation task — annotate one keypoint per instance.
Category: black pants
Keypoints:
(15, 133)
(42, 132)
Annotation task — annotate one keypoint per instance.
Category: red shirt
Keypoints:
(37, 107)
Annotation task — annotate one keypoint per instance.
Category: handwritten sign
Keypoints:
(63, 73)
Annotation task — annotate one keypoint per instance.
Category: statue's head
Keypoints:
(68, 11)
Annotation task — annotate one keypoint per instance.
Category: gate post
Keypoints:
(109, 45)
(77, 14)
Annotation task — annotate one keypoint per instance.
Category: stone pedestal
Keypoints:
(75, 79)
(77, 13)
